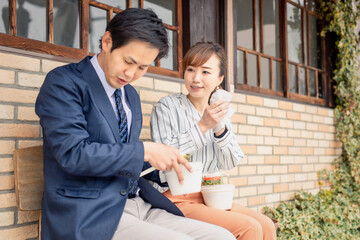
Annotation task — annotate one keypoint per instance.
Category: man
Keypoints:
(91, 120)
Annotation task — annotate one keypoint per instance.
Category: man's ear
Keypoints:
(106, 41)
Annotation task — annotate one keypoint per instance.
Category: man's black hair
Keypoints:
(138, 24)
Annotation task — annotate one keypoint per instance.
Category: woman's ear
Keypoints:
(221, 79)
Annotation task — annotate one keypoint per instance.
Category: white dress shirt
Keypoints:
(110, 92)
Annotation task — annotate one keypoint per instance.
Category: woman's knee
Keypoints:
(253, 230)
(268, 227)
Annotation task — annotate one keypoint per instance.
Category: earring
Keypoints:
(217, 88)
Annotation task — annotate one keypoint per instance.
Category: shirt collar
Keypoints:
(108, 89)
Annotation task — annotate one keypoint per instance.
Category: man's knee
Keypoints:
(217, 232)
(180, 236)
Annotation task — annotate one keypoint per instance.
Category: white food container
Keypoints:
(218, 196)
(192, 180)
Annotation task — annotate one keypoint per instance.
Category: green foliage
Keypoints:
(322, 216)
(334, 213)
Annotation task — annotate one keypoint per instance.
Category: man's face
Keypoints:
(127, 63)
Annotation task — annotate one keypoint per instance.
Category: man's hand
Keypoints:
(165, 158)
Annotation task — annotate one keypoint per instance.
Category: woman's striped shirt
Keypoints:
(174, 122)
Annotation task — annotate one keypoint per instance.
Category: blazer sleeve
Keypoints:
(61, 106)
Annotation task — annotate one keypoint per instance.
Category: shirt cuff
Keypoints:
(223, 134)
(223, 139)
(162, 177)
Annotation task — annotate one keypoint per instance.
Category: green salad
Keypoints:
(212, 180)
(187, 157)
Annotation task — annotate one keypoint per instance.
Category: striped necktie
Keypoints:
(123, 129)
(123, 126)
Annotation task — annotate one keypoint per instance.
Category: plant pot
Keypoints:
(218, 196)
(192, 180)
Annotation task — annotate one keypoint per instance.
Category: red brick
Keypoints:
(146, 121)
(7, 200)
(280, 150)
(285, 105)
(272, 122)
(17, 95)
(20, 233)
(238, 181)
(249, 149)
(252, 201)
(7, 182)
(28, 216)
(238, 118)
(19, 130)
(272, 160)
(6, 165)
(294, 168)
(7, 147)
(254, 100)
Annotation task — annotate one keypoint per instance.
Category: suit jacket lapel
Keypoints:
(99, 95)
(131, 99)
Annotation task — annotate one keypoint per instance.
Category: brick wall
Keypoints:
(285, 143)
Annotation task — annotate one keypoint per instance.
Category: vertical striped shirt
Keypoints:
(174, 122)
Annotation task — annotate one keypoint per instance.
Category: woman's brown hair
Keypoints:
(201, 52)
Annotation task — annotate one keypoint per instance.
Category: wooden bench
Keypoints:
(29, 179)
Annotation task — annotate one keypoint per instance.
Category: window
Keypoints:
(72, 28)
(279, 51)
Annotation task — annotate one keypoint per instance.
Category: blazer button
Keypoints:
(129, 175)
(123, 192)
(121, 173)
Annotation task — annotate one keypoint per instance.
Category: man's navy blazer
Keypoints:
(88, 172)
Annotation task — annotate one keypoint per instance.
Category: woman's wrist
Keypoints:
(221, 135)
(221, 131)
(202, 127)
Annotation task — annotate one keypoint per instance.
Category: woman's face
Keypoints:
(202, 80)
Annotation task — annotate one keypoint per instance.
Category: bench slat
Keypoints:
(29, 177)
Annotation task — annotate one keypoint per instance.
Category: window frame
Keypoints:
(284, 59)
(13, 41)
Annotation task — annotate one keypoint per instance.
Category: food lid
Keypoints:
(212, 175)
(218, 187)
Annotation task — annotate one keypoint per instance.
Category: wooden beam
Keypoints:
(41, 47)
(50, 21)
(179, 32)
(284, 50)
(12, 17)
(254, 25)
(84, 26)
(163, 71)
(261, 27)
(258, 68)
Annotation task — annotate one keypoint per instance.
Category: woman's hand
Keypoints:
(212, 115)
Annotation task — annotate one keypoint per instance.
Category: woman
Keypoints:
(187, 122)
